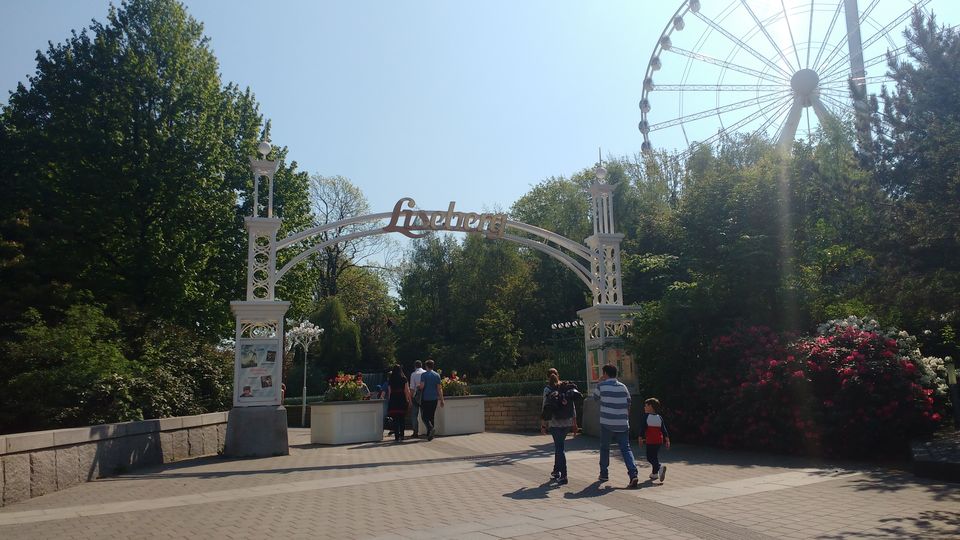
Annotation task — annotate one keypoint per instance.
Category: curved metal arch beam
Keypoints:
(296, 237)
(560, 256)
(561, 241)
(315, 248)
(547, 235)
(568, 261)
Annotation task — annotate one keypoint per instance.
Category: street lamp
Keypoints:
(303, 335)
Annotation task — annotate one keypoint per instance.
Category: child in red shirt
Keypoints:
(653, 432)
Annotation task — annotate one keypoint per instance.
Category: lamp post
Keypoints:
(304, 334)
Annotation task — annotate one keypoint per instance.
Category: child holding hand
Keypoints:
(653, 433)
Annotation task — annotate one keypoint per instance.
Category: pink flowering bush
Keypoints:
(853, 389)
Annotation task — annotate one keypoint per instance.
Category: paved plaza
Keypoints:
(492, 485)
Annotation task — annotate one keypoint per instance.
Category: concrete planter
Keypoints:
(342, 422)
(460, 415)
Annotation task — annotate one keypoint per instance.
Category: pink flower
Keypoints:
(798, 374)
(935, 417)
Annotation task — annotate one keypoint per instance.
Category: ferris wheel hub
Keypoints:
(804, 83)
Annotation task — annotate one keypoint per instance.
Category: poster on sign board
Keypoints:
(258, 372)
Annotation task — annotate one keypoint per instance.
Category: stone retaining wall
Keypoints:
(41, 462)
(517, 413)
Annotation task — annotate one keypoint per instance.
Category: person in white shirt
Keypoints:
(414, 383)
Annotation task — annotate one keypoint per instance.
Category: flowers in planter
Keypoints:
(454, 385)
(343, 388)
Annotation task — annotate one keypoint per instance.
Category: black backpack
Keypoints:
(559, 404)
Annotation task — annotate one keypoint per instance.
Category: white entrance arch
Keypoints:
(259, 318)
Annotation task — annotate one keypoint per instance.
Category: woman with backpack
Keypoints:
(559, 417)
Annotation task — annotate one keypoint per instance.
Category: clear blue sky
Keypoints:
(438, 100)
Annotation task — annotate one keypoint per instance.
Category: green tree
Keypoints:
(366, 299)
(339, 347)
(55, 367)
(124, 156)
(916, 159)
(425, 282)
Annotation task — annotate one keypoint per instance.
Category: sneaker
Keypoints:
(554, 475)
(429, 434)
(662, 473)
(603, 478)
(634, 482)
(562, 480)
(653, 476)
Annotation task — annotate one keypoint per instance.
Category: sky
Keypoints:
(467, 101)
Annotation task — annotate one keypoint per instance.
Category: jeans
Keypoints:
(623, 440)
(416, 418)
(559, 454)
(653, 457)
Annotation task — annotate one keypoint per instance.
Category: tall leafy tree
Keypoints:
(916, 159)
(125, 155)
(334, 199)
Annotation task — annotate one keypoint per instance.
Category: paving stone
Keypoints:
(485, 483)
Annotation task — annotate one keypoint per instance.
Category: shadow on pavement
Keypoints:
(540, 492)
(923, 526)
(175, 471)
(596, 489)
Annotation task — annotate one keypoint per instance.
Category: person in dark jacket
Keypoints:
(398, 401)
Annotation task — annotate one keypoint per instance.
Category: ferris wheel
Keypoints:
(776, 68)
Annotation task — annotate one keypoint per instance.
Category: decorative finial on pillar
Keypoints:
(263, 149)
(599, 172)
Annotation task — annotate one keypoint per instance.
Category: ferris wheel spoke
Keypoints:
(744, 121)
(826, 37)
(719, 110)
(835, 103)
(879, 34)
(763, 29)
(823, 115)
(717, 87)
(837, 73)
(793, 42)
(709, 22)
(728, 65)
(828, 61)
(784, 107)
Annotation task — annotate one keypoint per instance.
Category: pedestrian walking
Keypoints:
(432, 394)
(559, 417)
(653, 433)
(417, 395)
(614, 401)
(398, 400)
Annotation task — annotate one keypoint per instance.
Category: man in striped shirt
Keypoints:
(614, 401)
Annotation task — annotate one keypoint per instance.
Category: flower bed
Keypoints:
(854, 389)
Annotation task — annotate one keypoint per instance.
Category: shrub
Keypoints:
(853, 389)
